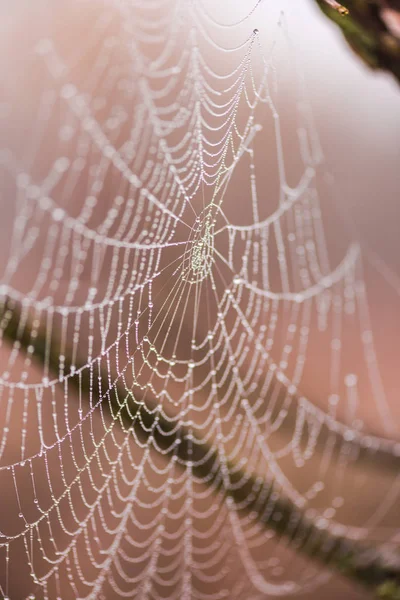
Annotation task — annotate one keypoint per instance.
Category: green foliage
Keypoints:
(389, 590)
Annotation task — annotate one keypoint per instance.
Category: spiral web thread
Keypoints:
(147, 281)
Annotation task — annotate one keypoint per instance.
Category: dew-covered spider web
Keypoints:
(170, 296)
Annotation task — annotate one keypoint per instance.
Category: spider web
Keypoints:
(170, 271)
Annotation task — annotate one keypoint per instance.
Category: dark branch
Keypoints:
(263, 500)
(371, 27)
